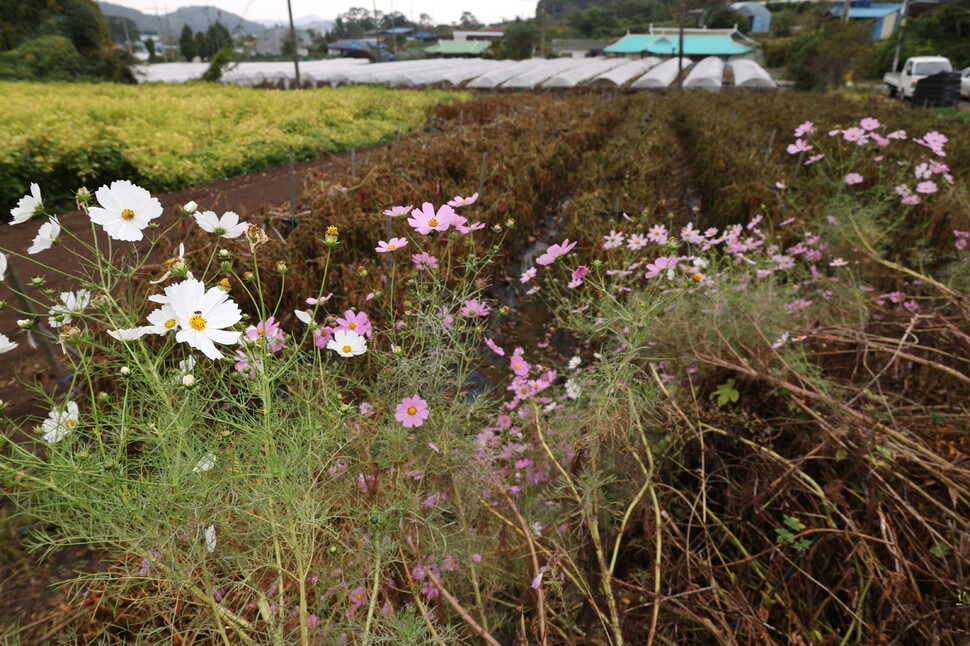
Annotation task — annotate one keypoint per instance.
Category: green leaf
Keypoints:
(794, 523)
(725, 393)
(940, 550)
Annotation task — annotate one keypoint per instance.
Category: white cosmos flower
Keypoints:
(59, 423)
(46, 236)
(186, 366)
(210, 538)
(228, 226)
(3, 266)
(6, 345)
(162, 320)
(28, 206)
(73, 304)
(130, 334)
(574, 362)
(206, 462)
(573, 389)
(202, 316)
(347, 343)
(125, 210)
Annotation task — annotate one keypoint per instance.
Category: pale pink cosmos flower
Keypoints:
(412, 411)
(911, 200)
(854, 178)
(922, 171)
(358, 323)
(266, 333)
(657, 233)
(495, 347)
(806, 128)
(447, 320)
(395, 211)
(854, 135)
(902, 190)
(473, 308)
(390, 245)
(574, 283)
(661, 266)
(896, 134)
(519, 365)
(366, 409)
(636, 242)
(612, 240)
(426, 220)
(554, 252)
(581, 272)
(838, 262)
(800, 145)
(423, 261)
(814, 158)
(960, 243)
(462, 201)
(869, 123)
(528, 275)
(928, 187)
(780, 185)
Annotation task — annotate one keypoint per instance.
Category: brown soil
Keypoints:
(30, 608)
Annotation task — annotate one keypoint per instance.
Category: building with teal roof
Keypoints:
(729, 44)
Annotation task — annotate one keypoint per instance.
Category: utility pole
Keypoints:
(296, 55)
(899, 38)
(845, 11)
(542, 52)
(377, 33)
(393, 32)
(680, 47)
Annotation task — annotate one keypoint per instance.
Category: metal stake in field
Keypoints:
(353, 162)
(296, 54)
(481, 178)
(292, 191)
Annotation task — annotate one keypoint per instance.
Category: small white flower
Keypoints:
(574, 363)
(46, 236)
(228, 226)
(3, 266)
(129, 334)
(72, 304)
(125, 210)
(210, 538)
(206, 462)
(25, 324)
(162, 320)
(60, 423)
(347, 343)
(125, 371)
(548, 408)
(303, 316)
(202, 316)
(6, 345)
(190, 207)
(186, 366)
(188, 381)
(573, 389)
(28, 206)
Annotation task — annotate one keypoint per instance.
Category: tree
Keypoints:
(725, 17)
(469, 21)
(519, 42)
(150, 45)
(595, 22)
(425, 20)
(187, 44)
(201, 46)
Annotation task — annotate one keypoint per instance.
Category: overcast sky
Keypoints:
(443, 11)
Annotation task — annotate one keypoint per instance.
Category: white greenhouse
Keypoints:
(660, 76)
(749, 74)
(708, 74)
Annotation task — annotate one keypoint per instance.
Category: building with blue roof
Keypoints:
(356, 48)
(883, 16)
(728, 44)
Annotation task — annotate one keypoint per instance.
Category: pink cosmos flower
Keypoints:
(854, 178)
(581, 272)
(854, 135)
(495, 347)
(358, 323)
(528, 275)
(554, 252)
(806, 128)
(463, 201)
(928, 187)
(574, 283)
(960, 243)
(519, 365)
(266, 333)
(412, 411)
(657, 233)
(447, 320)
(390, 245)
(896, 134)
(473, 308)
(800, 145)
(423, 261)
(902, 190)
(426, 220)
(838, 262)
(636, 241)
(870, 123)
(780, 185)
(612, 240)
(246, 365)
(365, 409)
(911, 200)
(322, 336)
(395, 211)
(814, 158)
(660, 266)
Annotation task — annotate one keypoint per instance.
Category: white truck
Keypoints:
(903, 84)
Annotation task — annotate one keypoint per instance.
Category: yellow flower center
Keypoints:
(170, 323)
(348, 349)
(259, 341)
(331, 231)
(392, 247)
(127, 214)
(432, 222)
(197, 322)
(260, 331)
(70, 423)
(412, 410)
(352, 326)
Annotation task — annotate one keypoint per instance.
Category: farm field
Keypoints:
(169, 137)
(734, 412)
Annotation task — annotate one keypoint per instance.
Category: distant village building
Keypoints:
(476, 34)
(756, 12)
(664, 42)
(578, 47)
(882, 17)
(457, 48)
(426, 36)
(356, 48)
(270, 42)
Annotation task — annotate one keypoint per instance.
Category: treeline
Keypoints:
(204, 45)
(59, 40)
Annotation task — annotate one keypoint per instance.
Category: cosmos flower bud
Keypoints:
(179, 268)
(83, 196)
(504, 310)
(125, 371)
(225, 254)
(225, 266)
(224, 285)
(189, 207)
(510, 223)
(188, 381)
(330, 239)
(281, 267)
(25, 324)
(38, 281)
(695, 277)
(249, 277)
(362, 272)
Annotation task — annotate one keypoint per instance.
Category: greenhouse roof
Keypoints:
(459, 47)
(873, 11)
(714, 45)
